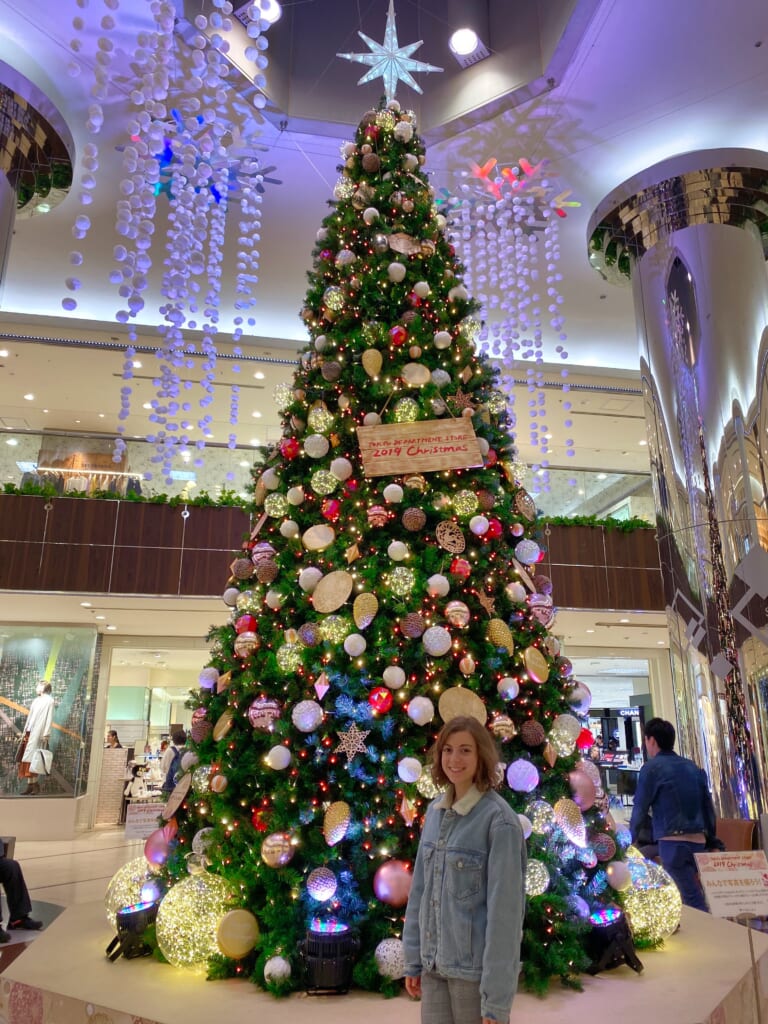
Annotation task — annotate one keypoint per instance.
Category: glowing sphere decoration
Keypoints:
(276, 505)
(522, 776)
(237, 933)
(201, 779)
(542, 817)
(127, 886)
(322, 482)
(188, 919)
(380, 699)
(392, 883)
(653, 903)
(321, 884)
(334, 628)
(277, 969)
(289, 657)
(390, 958)
(465, 503)
(401, 580)
(426, 784)
(536, 878)
(405, 410)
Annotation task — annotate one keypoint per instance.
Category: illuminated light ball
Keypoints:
(307, 715)
(405, 410)
(479, 525)
(344, 188)
(380, 699)
(331, 509)
(568, 725)
(398, 550)
(283, 395)
(295, 495)
(245, 624)
(230, 596)
(289, 657)
(426, 784)
(393, 493)
(536, 878)
(277, 849)
(321, 884)
(276, 505)
(619, 875)
(409, 769)
(469, 328)
(392, 883)
(126, 886)
(289, 447)
(580, 698)
(421, 710)
(208, 678)
(422, 289)
(496, 402)
(562, 744)
(319, 418)
(394, 677)
(653, 905)
(157, 846)
(526, 825)
(390, 958)
(322, 482)
(289, 529)
(188, 919)
(568, 817)
(201, 779)
(516, 592)
(277, 969)
(442, 339)
(355, 644)
(584, 740)
(202, 840)
(309, 578)
(522, 776)
(386, 119)
(316, 445)
(396, 272)
(461, 567)
(278, 758)
(582, 789)
(274, 600)
(465, 503)
(438, 585)
(542, 817)
(341, 469)
(527, 552)
(247, 601)
(334, 629)
(508, 687)
(237, 933)
(437, 641)
(495, 529)
(401, 581)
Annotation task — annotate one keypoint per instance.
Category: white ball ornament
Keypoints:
(316, 446)
(307, 715)
(371, 419)
(479, 525)
(442, 339)
(345, 257)
(458, 293)
(393, 493)
(277, 968)
(422, 289)
(188, 760)
(270, 479)
(321, 343)
(421, 710)
(348, 149)
(321, 235)
(279, 758)
(230, 596)
(370, 214)
(289, 529)
(389, 955)
(309, 578)
(441, 222)
(483, 445)
(508, 687)
(437, 641)
(295, 495)
(410, 161)
(355, 645)
(396, 272)
(438, 585)
(397, 551)
(341, 469)
(619, 875)
(274, 600)
(403, 131)
(409, 769)
(516, 592)
(526, 825)
(394, 677)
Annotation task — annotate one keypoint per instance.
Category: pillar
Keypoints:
(691, 235)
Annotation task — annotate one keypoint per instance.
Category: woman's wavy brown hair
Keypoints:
(487, 754)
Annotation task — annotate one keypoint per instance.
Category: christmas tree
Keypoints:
(390, 584)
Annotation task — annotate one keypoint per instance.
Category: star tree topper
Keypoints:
(389, 60)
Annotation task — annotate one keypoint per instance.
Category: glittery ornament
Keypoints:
(503, 727)
(414, 519)
(536, 878)
(276, 505)
(334, 629)
(364, 610)
(461, 567)
(437, 641)
(246, 644)
(267, 572)
(289, 657)
(263, 712)
(262, 552)
(336, 822)
(401, 581)
(604, 846)
(380, 699)
(307, 715)
(457, 613)
(319, 418)
(322, 482)
(526, 551)
(465, 503)
(377, 516)
(522, 776)
(500, 635)
(316, 445)
(412, 625)
(406, 410)
(532, 733)
(242, 568)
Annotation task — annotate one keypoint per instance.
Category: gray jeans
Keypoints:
(449, 1000)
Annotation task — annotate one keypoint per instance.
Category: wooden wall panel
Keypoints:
(74, 567)
(80, 521)
(22, 517)
(20, 565)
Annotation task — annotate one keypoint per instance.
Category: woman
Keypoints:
(36, 733)
(113, 740)
(464, 919)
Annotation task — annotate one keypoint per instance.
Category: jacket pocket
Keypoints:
(464, 873)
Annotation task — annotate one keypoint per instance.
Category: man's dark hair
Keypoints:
(179, 738)
(662, 731)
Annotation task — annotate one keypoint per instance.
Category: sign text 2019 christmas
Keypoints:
(424, 447)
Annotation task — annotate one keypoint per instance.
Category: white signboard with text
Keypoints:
(142, 818)
(735, 883)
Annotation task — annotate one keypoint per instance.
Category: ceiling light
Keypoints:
(12, 442)
(86, 604)
(147, 405)
(589, 631)
(259, 375)
(101, 415)
(256, 415)
(642, 442)
(660, 642)
(101, 617)
(463, 41)
(136, 364)
(623, 620)
(3, 353)
(269, 10)
(29, 398)
(601, 476)
(45, 410)
(111, 627)
(254, 442)
(244, 464)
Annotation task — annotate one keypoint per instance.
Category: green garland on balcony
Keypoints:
(227, 499)
(609, 523)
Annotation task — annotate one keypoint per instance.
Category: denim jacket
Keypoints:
(676, 792)
(465, 911)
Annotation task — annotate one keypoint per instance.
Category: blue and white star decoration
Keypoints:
(388, 60)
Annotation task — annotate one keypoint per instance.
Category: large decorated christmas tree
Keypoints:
(390, 584)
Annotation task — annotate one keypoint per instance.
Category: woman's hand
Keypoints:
(413, 987)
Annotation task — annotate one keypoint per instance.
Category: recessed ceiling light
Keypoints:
(111, 627)
(589, 631)
(660, 642)
(77, 421)
(601, 476)
(86, 604)
(259, 375)
(45, 410)
(101, 415)
(254, 442)
(29, 398)
(623, 620)
(270, 11)
(463, 41)
(3, 353)
(245, 464)
(147, 405)
(642, 442)
(136, 364)
(12, 442)
(256, 415)
(548, 437)
(101, 617)
(43, 208)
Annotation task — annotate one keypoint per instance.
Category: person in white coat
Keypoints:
(36, 732)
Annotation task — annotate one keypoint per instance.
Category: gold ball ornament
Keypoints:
(188, 919)
(500, 635)
(460, 701)
(652, 903)
(237, 934)
(568, 817)
(364, 610)
(536, 665)
(223, 725)
(336, 822)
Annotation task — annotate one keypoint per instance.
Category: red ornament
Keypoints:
(585, 740)
(373, 131)
(414, 299)
(289, 447)
(398, 335)
(380, 699)
(258, 820)
(491, 457)
(495, 529)
(331, 509)
(350, 486)
(246, 624)
(460, 567)
(326, 254)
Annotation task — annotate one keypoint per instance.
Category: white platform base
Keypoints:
(702, 977)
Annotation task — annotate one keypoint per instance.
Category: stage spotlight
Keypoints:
(132, 922)
(328, 954)
(609, 942)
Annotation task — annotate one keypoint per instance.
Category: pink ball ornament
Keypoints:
(494, 531)
(585, 740)
(461, 567)
(157, 846)
(517, 529)
(392, 883)
(289, 448)
(583, 790)
(331, 509)
(246, 624)
(522, 776)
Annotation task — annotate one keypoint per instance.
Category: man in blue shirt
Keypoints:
(676, 793)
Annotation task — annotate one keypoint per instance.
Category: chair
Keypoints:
(735, 833)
